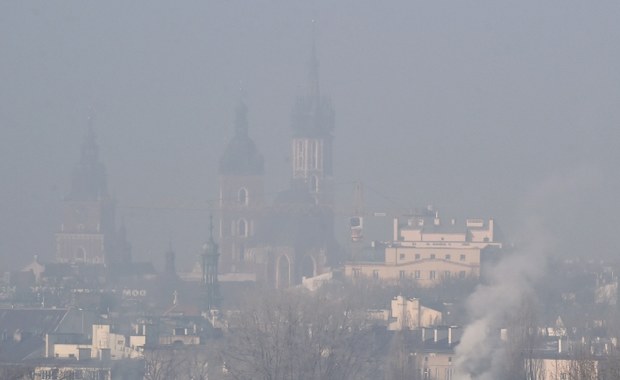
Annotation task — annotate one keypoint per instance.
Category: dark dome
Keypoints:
(241, 158)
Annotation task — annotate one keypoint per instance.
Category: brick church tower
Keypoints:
(241, 198)
(87, 233)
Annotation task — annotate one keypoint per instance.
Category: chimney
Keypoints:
(450, 336)
(559, 345)
(435, 335)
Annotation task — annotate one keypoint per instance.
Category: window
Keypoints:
(462, 274)
(417, 256)
(299, 155)
(375, 274)
(448, 257)
(242, 197)
(242, 228)
(401, 274)
(402, 256)
(462, 257)
(357, 272)
(432, 275)
(432, 256)
(416, 275)
(446, 275)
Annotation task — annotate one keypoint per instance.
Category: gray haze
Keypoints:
(465, 105)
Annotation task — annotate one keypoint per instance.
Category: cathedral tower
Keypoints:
(88, 227)
(312, 124)
(241, 200)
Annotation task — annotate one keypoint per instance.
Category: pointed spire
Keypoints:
(312, 113)
(210, 246)
(241, 156)
(241, 119)
(170, 267)
(89, 179)
(210, 226)
(90, 149)
(313, 68)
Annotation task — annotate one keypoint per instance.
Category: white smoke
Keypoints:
(481, 355)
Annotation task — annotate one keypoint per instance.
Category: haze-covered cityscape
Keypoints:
(309, 189)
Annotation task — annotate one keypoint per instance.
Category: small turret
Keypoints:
(170, 258)
(210, 258)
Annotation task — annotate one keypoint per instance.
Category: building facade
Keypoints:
(428, 250)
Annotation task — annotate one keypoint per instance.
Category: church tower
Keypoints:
(88, 227)
(241, 198)
(312, 125)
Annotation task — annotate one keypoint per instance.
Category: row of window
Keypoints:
(240, 228)
(428, 374)
(308, 156)
(432, 256)
(416, 274)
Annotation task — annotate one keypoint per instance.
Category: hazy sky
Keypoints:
(471, 106)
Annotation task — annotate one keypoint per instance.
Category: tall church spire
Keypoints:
(89, 178)
(210, 259)
(313, 114)
(241, 120)
(241, 156)
(313, 69)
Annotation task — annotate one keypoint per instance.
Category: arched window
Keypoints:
(242, 228)
(243, 196)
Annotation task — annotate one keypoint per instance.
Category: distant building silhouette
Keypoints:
(210, 259)
(88, 231)
(292, 238)
(241, 198)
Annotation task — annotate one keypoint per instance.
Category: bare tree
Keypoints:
(294, 335)
(400, 363)
(583, 366)
(16, 372)
(521, 362)
(162, 363)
